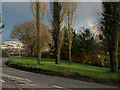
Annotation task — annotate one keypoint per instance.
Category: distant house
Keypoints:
(11, 46)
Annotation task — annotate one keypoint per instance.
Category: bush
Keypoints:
(5, 53)
(91, 59)
(45, 55)
(119, 64)
(79, 57)
(64, 54)
(95, 60)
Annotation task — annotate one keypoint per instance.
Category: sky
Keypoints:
(18, 12)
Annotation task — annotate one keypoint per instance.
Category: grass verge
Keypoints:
(76, 70)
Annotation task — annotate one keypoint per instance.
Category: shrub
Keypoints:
(77, 57)
(91, 59)
(64, 54)
(45, 55)
(5, 53)
(66, 73)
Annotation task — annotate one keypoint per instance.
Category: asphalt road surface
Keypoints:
(14, 78)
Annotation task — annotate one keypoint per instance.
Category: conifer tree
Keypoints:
(110, 23)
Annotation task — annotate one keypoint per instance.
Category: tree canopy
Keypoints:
(25, 32)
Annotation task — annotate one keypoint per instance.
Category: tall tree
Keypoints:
(38, 32)
(110, 22)
(38, 10)
(117, 36)
(58, 13)
(71, 15)
(25, 32)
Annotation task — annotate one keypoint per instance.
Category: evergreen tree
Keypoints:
(109, 20)
(84, 41)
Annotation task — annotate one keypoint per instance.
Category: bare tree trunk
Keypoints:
(58, 51)
(112, 55)
(116, 52)
(69, 37)
(70, 53)
(38, 31)
(117, 39)
(112, 59)
(57, 56)
(70, 42)
(33, 54)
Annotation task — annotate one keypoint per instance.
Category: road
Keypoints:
(14, 78)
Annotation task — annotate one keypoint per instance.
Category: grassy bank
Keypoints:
(76, 70)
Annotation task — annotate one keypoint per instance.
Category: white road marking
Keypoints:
(2, 80)
(16, 77)
(57, 86)
(28, 84)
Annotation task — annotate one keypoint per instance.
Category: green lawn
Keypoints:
(76, 70)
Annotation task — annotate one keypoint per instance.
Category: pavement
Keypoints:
(14, 78)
